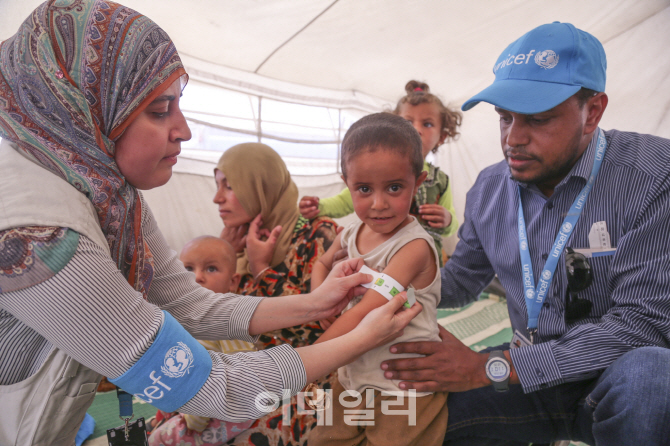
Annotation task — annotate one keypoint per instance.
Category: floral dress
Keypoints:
(310, 241)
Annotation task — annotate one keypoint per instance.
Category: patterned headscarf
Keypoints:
(262, 185)
(72, 79)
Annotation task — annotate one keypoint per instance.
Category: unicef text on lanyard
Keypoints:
(535, 295)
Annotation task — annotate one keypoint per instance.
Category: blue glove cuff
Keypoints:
(171, 371)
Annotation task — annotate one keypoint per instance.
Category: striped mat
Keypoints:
(482, 324)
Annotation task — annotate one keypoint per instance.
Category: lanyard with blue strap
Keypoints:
(169, 373)
(125, 409)
(535, 296)
(130, 434)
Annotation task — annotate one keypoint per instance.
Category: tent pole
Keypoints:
(339, 139)
(260, 130)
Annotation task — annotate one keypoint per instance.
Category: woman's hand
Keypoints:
(435, 215)
(340, 256)
(309, 207)
(380, 326)
(237, 237)
(386, 323)
(341, 285)
(326, 301)
(260, 245)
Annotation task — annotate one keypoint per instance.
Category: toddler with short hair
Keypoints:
(382, 165)
(433, 201)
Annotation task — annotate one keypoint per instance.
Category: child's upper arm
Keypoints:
(413, 263)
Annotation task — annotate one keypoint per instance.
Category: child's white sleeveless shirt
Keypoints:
(365, 372)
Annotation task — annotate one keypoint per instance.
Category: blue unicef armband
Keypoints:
(171, 371)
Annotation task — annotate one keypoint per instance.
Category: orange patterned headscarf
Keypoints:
(72, 78)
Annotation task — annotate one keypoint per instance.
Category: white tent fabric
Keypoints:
(358, 55)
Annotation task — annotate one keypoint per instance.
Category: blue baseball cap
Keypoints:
(543, 68)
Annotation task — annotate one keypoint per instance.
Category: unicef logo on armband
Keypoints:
(530, 293)
(567, 226)
(524, 245)
(178, 361)
(546, 274)
(547, 59)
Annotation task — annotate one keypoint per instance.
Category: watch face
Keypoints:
(498, 370)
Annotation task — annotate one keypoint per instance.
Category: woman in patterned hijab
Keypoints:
(89, 114)
(72, 79)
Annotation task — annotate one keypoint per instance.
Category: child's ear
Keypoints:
(443, 137)
(343, 178)
(234, 282)
(419, 180)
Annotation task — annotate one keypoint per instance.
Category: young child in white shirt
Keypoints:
(382, 165)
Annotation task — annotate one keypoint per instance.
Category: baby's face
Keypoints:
(212, 269)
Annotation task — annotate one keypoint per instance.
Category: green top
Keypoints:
(435, 190)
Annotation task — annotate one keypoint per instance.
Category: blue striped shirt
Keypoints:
(630, 291)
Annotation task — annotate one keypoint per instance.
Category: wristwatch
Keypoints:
(498, 370)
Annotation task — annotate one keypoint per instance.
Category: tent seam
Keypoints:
(294, 36)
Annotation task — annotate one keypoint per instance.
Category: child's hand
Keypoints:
(435, 215)
(260, 245)
(340, 256)
(309, 207)
(237, 237)
(325, 323)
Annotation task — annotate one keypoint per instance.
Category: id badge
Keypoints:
(519, 340)
(137, 434)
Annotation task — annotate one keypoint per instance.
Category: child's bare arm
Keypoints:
(413, 263)
(323, 266)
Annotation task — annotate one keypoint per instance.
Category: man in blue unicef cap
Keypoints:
(575, 223)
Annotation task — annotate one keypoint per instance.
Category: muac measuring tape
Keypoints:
(387, 286)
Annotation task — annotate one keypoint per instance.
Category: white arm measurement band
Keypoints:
(387, 286)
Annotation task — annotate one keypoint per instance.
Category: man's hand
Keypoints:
(448, 366)
(309, 207)
(435, 215)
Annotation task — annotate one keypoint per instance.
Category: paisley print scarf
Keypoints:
(72, 78)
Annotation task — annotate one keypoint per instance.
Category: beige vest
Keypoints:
(47, 408)
(365, 371)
